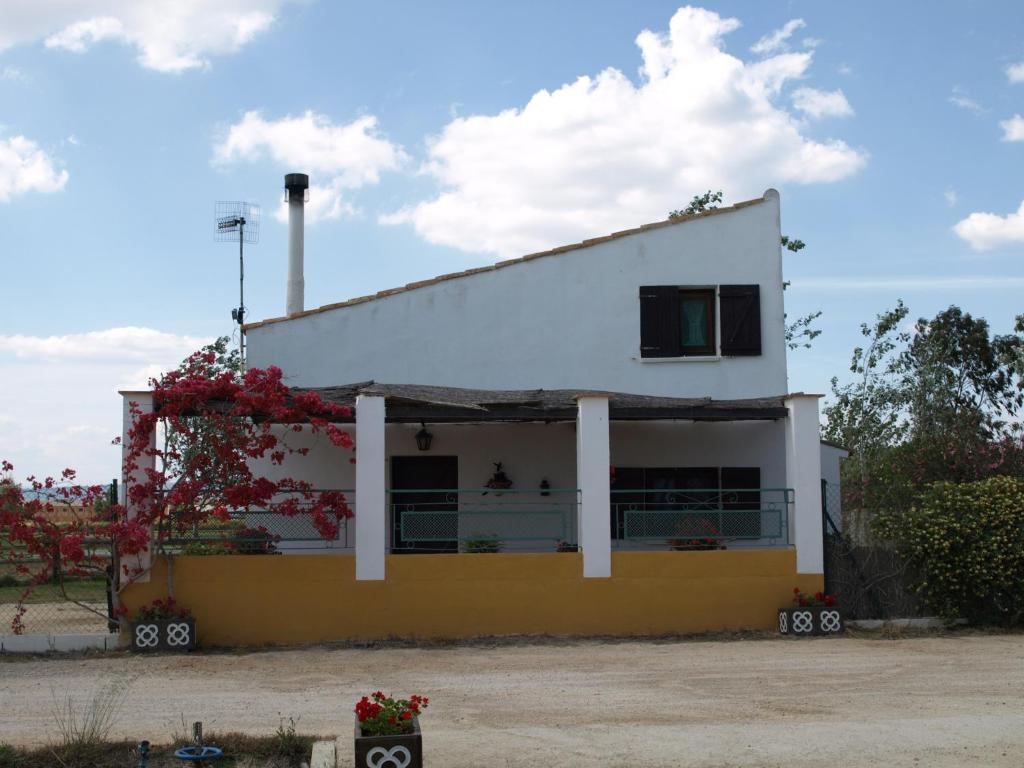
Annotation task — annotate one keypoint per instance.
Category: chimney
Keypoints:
(296, 188)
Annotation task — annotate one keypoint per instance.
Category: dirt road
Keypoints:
(936, 701)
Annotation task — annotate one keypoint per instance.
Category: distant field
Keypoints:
(88, 591)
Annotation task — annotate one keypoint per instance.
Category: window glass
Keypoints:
(695, 322)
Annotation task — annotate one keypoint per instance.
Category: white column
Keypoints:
(803, 475)
(592, 478)
(371, 501)
(146, 461)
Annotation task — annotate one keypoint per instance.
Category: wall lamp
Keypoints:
(424, 438)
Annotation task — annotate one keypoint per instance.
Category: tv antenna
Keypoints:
(239, 221)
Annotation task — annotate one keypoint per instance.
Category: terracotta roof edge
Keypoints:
(511, 262)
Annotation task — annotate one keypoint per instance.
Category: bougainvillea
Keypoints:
(193, 460)
(55, 520)
(381, 715)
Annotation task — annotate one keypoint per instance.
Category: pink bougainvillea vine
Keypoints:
(191, 461)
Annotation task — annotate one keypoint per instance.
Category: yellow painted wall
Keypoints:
(256, 600)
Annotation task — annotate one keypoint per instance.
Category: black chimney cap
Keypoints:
(296, 183)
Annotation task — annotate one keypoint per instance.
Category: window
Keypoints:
(730, 495)
(680, 321)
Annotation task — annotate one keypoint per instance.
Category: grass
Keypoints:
(83, 739)
(86, 590)
(240, 751)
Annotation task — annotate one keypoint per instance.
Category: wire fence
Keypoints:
(62, 604)
(870, 579)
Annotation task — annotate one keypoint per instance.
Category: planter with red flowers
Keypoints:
(163, 625)
(815, 614)
(388, 731)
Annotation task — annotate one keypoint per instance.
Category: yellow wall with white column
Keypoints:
(259, 600)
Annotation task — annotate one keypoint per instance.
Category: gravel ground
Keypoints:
(925, 701)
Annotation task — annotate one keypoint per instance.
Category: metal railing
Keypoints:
(701, 518)
(481, 520)
(262, 532)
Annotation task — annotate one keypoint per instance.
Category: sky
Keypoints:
(445, 135)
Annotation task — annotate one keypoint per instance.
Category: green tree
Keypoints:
(939, 403)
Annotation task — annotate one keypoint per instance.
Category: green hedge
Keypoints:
(966, 542)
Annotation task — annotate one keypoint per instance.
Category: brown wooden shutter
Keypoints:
(659, 321)
(740, 307)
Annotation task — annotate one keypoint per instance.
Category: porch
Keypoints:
(579, 472)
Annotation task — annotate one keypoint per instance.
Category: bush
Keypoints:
(967, 544)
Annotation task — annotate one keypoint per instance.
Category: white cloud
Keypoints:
(985, 231)
(24, 167)
(951, 197)
(603, 153)
(82, 35)
(12, 74)
(777, 40)
(1013, 129)
(812, 42)
(169, 35)
(960, 99)
(349, 156)
(815, 103)
(114, 344)
(61, 407)
(1015, 73)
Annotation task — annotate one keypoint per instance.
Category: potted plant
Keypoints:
(699, 534)
(690, 545)
(388, 731)
(479, 545)
(815, 614)
(163, 625)
(499, 480)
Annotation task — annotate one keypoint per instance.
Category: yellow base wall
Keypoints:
(258, 600)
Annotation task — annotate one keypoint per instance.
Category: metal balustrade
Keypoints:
(258, 531)
(701, 518)
(479, 520)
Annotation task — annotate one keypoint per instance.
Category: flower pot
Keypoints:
(811, 620)
(163, 635)
(402, 750)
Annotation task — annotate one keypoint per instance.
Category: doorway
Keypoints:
(424, 512)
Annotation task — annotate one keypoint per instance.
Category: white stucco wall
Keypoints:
(570, 320)
(831, 457)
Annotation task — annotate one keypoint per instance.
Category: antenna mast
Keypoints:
(243, 218)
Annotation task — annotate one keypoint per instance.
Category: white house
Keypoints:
(633, 388)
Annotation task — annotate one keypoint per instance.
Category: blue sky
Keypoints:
(893, 134)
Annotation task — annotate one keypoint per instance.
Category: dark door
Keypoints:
(424, 511)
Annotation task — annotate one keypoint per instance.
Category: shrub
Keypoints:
(381, 715)
(483, 545)
(967, 543)
(83, 728)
